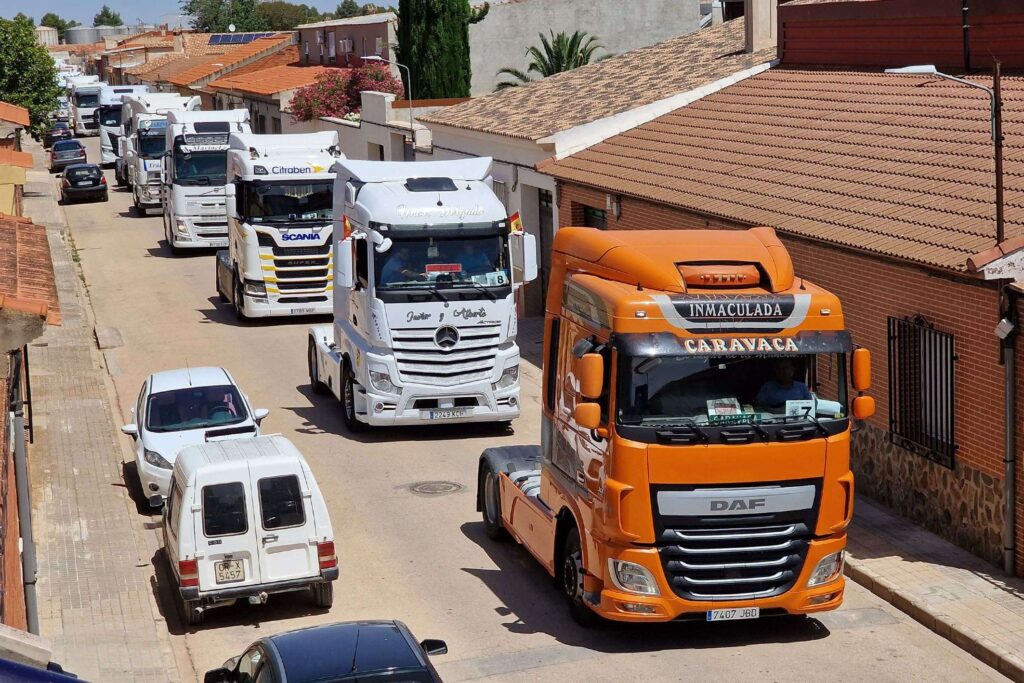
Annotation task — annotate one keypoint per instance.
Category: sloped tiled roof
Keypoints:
(155, 62)
(234, 55)
(12, 113)
(184, 63)
(27, 282)
(271, 75)
(608, 87)
(892, 164)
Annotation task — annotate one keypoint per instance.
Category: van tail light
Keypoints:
(325, 553)
(188, 571)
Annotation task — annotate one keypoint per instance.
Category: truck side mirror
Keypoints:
(524, 257)
(861, 370)
(863, 407)
(343, 268)
(590, 371)
(587, 415)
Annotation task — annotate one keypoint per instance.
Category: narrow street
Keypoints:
(423, 558)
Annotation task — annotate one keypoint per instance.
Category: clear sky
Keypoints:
(131, 11)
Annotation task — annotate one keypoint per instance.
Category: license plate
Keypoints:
(229, 571)
(219, 243)
(447, 413)
(84, 183)
(734, 614)
(301, 311)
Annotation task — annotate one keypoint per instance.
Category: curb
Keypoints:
(1005, 662)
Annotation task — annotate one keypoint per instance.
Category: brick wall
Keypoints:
(965, 504)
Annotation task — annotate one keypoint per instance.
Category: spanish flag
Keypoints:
(515, 223)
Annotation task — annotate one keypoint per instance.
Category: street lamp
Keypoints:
(408, 75)
(996, 109)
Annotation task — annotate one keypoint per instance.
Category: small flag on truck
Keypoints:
(515, 223)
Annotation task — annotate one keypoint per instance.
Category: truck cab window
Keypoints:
(362, 248)
(551, 366)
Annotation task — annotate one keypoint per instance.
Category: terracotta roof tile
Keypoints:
(608, 87)
(8, 157)
(273, 80)
(26, 271)
(215, 64)
(154, 63)
(12, 113)
(899, 165)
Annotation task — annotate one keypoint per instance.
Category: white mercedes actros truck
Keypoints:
(85, 97)
(108, 118)
(195, 173)
(279, 205)
(425, 319)
(144, 142)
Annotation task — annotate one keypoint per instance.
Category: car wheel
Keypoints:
(239, 299)
(490, 488)
(572, 581)
(323, 594)
(348, 400)
(315, 384)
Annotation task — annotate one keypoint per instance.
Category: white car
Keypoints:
(185, 407)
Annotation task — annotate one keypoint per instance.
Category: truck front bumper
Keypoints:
(419, 405)
(149, 196)
(265, 308)
(619, 605)
(199, 232)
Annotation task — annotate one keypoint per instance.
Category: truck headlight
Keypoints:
(156, 460)
(508, 378)
(632, 577)
(181, 226)
(828, 569)
(380, 379)
(257, 289)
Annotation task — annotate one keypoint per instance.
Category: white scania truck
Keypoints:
(426, 273)
(108, 118)
(279, 205)
(144, 142)
(195, 173)
(85, 97)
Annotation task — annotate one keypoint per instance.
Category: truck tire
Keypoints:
(490, 489)
(348, 400)
(572, 581)
(315, 384)
(188, 612)
(323, 594)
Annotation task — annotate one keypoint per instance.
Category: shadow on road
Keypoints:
(130, 474)
(527, 594)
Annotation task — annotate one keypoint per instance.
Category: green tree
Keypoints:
(433, 41)
(348, 8)
(562, 53)
(21, 16)
(54, 21)
(214, 16)
(284, 16)
(107, 17)
(28, 76)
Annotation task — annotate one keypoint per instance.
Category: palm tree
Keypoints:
(562, 53)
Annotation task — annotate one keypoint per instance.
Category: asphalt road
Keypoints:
(420, 558)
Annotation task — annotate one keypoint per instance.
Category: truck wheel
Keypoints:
(572, 581)
(348, 400)
(490, 487)
(188, 612)
(323, 594)
(135, 204)
(315, 384)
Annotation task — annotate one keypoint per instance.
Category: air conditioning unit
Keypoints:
(345, 46)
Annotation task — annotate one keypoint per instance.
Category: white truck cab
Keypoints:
(245, 519)
(85, 97)
(195, 174)
(426, 273)
(279, 205)
(108, 118)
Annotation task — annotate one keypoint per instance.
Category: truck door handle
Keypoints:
(269, 538)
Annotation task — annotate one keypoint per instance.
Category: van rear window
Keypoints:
(224, 510)
(281, 502)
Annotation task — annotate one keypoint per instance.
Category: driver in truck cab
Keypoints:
(775, 392)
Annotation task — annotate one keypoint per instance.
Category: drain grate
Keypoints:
(435, 488)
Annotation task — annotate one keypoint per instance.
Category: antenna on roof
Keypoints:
(188, 372)
(802, 284)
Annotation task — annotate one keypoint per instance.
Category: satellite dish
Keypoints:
(231, 27)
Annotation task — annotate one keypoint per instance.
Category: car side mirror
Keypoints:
(587, 415)
(863, 407)
(259, 414)
(590, 372)
(221, 675)
(434, 647)
(131, 430)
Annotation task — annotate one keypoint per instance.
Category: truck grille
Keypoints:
(471, 359)
(294, 270)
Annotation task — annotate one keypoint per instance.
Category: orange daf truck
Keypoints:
(695, 446)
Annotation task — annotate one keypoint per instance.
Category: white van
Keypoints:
(246, 519)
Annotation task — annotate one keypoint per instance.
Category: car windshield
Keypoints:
(87, 99)
(450, 262)
(109, 116)
(714, 390)
(266, 202)
(83, 173)
(59, 126)
(67, 146)
(195, 408)
(200, 167)
(152, 146)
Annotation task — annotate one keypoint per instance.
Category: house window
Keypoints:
(379, 46)
(921, 389)
(305, 52)
(275, 125)
(501, 191)
(331, 53)
(595, 218)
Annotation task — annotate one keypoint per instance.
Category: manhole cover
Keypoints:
(435, 488)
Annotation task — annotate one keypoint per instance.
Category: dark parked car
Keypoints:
(83, 181)
(58, 131)
(65, 153)
(348, 651)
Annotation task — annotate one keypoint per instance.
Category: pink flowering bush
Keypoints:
(336, 91)
(375, 77)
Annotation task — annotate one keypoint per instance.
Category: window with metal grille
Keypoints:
(922, 389)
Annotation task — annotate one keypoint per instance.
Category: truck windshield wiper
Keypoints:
(686, 422)
(479, 287)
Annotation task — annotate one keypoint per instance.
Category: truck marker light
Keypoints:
(188, 573)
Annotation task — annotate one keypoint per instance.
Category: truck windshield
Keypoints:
(296, 200)
(200, 168)
(152, 146)
(194, 408)
(449, 262)
(109, 116)
(87, 99)
(722, 390)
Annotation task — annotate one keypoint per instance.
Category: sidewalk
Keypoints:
(949, 590)
(95, 585)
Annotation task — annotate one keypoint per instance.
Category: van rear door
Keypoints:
(284, 517)
(226, 530)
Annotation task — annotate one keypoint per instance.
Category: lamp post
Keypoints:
(996, 111)
(408, 75)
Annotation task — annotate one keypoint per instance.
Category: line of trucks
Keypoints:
(697, 396)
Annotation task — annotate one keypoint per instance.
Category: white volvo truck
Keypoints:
(144, 142)
(108, 118)
(85, 97)
(424, 309)
(279, 205)
(195, 173)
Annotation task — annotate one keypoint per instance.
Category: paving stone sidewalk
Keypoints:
(949, 590)
(95, 586)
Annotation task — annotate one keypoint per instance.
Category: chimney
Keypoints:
(760, 24)
(717, 12)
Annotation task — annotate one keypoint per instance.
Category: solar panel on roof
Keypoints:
(215, 39)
